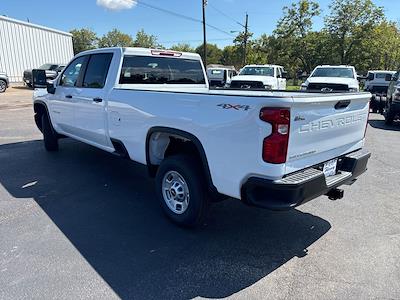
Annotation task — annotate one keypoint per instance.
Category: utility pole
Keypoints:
(204, 4)
(245, 39)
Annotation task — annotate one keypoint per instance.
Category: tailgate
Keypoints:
(324, 127)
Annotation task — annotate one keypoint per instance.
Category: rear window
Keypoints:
(161, 70)
(380, 75)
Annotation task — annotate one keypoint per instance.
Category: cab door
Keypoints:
(281, 79)
(90, 102)
(63, 101)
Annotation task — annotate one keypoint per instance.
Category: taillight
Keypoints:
(275, 145)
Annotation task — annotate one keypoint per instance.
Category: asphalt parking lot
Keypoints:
(83, 224)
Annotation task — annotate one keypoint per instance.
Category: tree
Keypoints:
(385, 45)
(350, 23)
(116, 38)
(183, 48)
(146, 40)
(83, 39)
(232, 56)
(292, 31)
(243, 40)
(214, 54)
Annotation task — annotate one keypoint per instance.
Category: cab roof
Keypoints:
(381, 71)
(266, 65)
(146, 52)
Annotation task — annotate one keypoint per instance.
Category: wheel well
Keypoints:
(39, 109)
(163, 142)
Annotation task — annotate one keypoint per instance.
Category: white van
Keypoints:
(220, 76)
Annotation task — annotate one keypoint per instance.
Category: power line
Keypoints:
(140, 2)
(226, 15)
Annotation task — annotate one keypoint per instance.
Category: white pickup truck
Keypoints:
(269, 77)
(327, 78)
(275, 150)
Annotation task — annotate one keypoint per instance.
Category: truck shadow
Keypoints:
(380, 124)
(107, 208)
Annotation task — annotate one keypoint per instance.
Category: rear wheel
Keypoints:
(3, 86)
(373, 103)
(50, 137)
(382, 105)
(181, 190)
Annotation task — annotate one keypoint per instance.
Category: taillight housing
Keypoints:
(275, 145)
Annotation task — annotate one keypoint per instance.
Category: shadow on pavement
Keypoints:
(380, 124)
(22, 87)
(106, 207)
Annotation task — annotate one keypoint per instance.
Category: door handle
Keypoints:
(342, 104)
(97, 100)
(68, 96)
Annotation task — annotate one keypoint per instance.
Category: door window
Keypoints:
(396, 76)
(279, 73)
(71, 73)
(97, 69)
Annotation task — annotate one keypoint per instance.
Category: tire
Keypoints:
(382, 105)
(181, 177)
(3, 86)
(50, 137)
(389, 114)
(373, 103)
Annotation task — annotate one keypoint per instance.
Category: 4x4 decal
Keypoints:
(234, 106)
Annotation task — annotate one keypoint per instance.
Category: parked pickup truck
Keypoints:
(269, 77)
(377, 83)
(328, 79)
(52, 71)
(392, 105)
(274, 150)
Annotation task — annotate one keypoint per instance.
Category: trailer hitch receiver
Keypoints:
(335, 194)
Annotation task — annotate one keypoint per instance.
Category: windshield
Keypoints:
(48, 67)
(333, 72)
(259, 71)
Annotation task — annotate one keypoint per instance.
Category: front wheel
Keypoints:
(3, 86)
(181, 190)
(50, 137)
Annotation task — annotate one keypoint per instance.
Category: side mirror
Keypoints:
(51, 89)
(285, 75)
(39, 79)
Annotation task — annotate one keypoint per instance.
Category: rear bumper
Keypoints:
(303, 186)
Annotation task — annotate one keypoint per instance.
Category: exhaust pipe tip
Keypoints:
(335, 194)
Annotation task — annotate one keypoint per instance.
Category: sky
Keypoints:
(103, 15)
